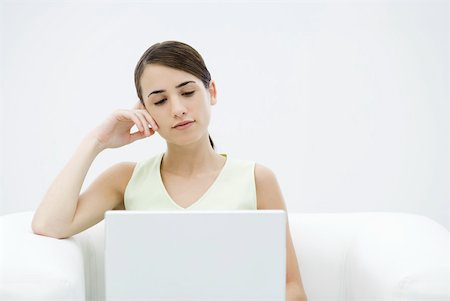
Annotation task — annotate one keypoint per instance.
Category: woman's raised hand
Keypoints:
(115, 131)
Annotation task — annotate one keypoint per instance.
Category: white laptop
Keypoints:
(195, 255)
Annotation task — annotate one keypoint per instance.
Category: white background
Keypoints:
(347, 101)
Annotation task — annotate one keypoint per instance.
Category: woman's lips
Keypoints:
(184, 125)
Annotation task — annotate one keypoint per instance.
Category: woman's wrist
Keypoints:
(93, 143)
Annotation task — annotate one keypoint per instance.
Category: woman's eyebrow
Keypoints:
(177, 86)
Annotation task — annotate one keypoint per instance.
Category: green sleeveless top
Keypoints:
(233, 189)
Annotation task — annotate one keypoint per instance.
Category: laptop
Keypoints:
(195, 255)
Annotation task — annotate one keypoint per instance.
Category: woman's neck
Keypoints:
(193, 159)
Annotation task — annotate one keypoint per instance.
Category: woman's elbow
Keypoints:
(40, 228)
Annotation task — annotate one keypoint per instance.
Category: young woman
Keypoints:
(176, 93)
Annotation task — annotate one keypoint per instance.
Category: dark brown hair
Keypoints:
(175, 55)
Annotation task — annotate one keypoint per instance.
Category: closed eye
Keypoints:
(187, 94)
(190, 93)
(160, 102)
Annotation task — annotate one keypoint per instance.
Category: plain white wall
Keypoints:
(347, 101)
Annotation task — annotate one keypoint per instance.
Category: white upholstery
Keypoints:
(342, 256)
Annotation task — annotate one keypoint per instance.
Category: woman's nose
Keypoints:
(178, 108)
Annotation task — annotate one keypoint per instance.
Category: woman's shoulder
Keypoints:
(268, 191)
(263, 174)
(128, 167)
(122, 171)
(123, 166)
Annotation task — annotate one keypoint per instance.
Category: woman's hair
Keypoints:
(176, 55)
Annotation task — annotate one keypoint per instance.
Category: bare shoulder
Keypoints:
(264, 174)
(110, 185)
(120, 174)
(268, 193)
(123, 167)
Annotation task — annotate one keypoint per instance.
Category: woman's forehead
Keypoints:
(163, 77)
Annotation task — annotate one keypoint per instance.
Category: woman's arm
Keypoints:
(63, 212)
(269, 196)
(56, 211)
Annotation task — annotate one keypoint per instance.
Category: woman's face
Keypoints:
(178, 102)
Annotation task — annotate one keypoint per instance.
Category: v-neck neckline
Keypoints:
(163, 187)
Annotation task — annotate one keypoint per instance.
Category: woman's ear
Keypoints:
(212, 92)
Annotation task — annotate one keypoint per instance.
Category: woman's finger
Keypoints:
(139, 106)
(150, 119)
(139, 135)
(128, 115)
(144, 122)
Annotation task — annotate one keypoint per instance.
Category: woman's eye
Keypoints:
(188, 93)
(160, 102)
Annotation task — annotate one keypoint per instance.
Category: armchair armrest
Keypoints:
(403, 256)
(372, 256)
(34, 267)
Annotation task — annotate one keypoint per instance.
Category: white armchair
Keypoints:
(342, 256)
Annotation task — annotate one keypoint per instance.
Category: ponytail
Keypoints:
(210, 141)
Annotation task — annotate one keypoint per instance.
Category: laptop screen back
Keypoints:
(196, 255)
